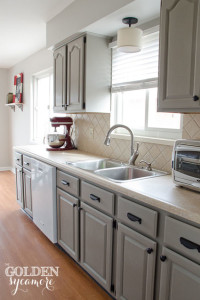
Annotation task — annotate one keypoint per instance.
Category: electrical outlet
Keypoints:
(91, 132)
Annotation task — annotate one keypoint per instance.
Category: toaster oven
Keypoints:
(186, 163)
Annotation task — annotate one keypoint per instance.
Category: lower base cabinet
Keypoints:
(136, 256)
(180, 277)
(27, 192)
(68, 223)
(96, 230)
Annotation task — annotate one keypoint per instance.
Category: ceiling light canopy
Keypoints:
(129, 40)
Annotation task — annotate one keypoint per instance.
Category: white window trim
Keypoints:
(144, 139)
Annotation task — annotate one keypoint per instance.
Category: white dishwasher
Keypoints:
(44, 198)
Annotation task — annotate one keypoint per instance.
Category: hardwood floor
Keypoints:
(22, 244)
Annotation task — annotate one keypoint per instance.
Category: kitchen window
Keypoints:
(134, 93)
(42, 105)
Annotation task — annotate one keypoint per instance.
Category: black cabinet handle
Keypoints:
(65, 105)
(80, 208)
(134, 218)
(74, 204)
(27, 164)
(65, 182)
(149, 250)
(189, 245)
(163, 258)
(195, 98)
(94, 198)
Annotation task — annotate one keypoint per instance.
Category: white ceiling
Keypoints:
(144, 10)
(23, 27)
(23, 24)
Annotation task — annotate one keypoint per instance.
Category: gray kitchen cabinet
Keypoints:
(180, 277)
(135, 270)
(27, 192)
(75, 75)
(23, 182)
(19, 185)
(96, 234)
(82, 75)
(60, 80)
(68, 223)
(179, 74)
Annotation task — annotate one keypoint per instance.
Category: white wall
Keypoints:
(78, 15)
(4, 122)
(20, 121)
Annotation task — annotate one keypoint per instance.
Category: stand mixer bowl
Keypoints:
(55, 140)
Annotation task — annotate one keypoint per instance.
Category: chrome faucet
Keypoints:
(134, 154)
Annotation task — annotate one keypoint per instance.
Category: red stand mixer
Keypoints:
(57, 141)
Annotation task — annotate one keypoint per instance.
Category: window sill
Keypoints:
(144, 139)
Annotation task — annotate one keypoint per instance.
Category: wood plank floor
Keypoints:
(22, 244)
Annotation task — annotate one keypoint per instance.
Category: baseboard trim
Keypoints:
(7, 169)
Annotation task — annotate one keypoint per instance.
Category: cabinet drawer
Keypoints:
(182, 237)
(18, 158)
(27, 162)
(68, 183)
(138, 217)
(97, 197)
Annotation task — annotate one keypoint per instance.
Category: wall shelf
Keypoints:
(13, 105)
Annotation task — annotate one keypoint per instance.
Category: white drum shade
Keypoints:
(129, 40)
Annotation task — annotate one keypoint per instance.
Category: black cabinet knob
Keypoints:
(195, 98)
(149, 250)
(163, 258)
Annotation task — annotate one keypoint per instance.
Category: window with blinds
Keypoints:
(134, 92)
(136, 69)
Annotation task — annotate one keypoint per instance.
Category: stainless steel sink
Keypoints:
(96, 164)
(126, 173)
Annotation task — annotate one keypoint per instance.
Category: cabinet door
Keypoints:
(135, 265)
(19, 185)
(60, 81)
(179, 74)
(68, 223)
(96, 244)
(75, 75)
(27, 192)
(180, 277)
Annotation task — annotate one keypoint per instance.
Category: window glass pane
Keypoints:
(134, 108)
(43, 105)
(160, 120)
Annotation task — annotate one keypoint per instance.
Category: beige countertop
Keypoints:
(159, 192)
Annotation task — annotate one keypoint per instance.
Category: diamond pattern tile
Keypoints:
(158, 155)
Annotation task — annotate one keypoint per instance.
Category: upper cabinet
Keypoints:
(82, 75)
(60, 68)
(179, 71)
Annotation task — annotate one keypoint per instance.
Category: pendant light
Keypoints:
(129, 39)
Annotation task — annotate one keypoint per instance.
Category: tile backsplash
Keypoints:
(90, 131)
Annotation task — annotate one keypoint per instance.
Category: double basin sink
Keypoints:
(115, 170)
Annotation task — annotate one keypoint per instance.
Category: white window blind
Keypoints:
(136, 70)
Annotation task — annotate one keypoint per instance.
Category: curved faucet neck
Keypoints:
(107, 140)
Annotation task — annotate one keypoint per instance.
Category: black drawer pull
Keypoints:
(134, 218)
(65, 182)
(195, 98)
(94, 198)
(74, 204)
(27, 164)
(189, 245)
(17, 159)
